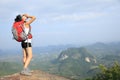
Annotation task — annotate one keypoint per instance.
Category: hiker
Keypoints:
(26, 44)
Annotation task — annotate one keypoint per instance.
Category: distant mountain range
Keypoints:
(75, 62)
(72, 61)
(51, 48)
(104, 49)
(78, 63)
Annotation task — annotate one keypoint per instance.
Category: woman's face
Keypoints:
(24, 18)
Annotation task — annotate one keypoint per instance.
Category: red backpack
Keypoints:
(19, 33)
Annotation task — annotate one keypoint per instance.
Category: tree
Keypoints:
(112, 73)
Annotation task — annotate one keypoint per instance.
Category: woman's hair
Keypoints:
(18, 18)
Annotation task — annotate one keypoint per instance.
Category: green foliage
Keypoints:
(7, 68)
(112, 73)
(74, 65)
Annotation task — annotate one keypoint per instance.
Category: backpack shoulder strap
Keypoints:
(29, 29)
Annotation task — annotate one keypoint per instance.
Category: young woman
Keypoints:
(26, 45)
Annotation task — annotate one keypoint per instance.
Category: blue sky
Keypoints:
(62, 21)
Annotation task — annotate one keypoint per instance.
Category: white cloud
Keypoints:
(70, 18)
(76, 16)
(110, 1)
(7, 1)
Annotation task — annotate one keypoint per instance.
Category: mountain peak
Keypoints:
(36, 75)
(77, 54)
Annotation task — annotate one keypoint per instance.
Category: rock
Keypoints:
(36, 75)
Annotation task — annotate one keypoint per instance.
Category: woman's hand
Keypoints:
(26, 15)
(32, 18)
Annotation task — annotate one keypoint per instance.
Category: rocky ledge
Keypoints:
(36, 75)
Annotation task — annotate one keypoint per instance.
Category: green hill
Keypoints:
(108, 73)
(75, 63)
(7, 68)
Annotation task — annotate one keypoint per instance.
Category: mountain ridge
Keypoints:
(72, 62)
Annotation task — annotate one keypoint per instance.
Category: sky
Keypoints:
(62, 22)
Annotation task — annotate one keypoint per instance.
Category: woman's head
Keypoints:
(20, 18)
(24, 17)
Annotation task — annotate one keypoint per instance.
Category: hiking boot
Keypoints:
(28, 70)
(25, 72)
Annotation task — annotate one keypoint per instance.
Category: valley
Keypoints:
(73, 62)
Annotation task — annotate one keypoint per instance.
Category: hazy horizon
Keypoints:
(63, 22)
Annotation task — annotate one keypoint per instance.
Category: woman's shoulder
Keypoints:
(26, 25)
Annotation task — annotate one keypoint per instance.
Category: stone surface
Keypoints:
(36, 75)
